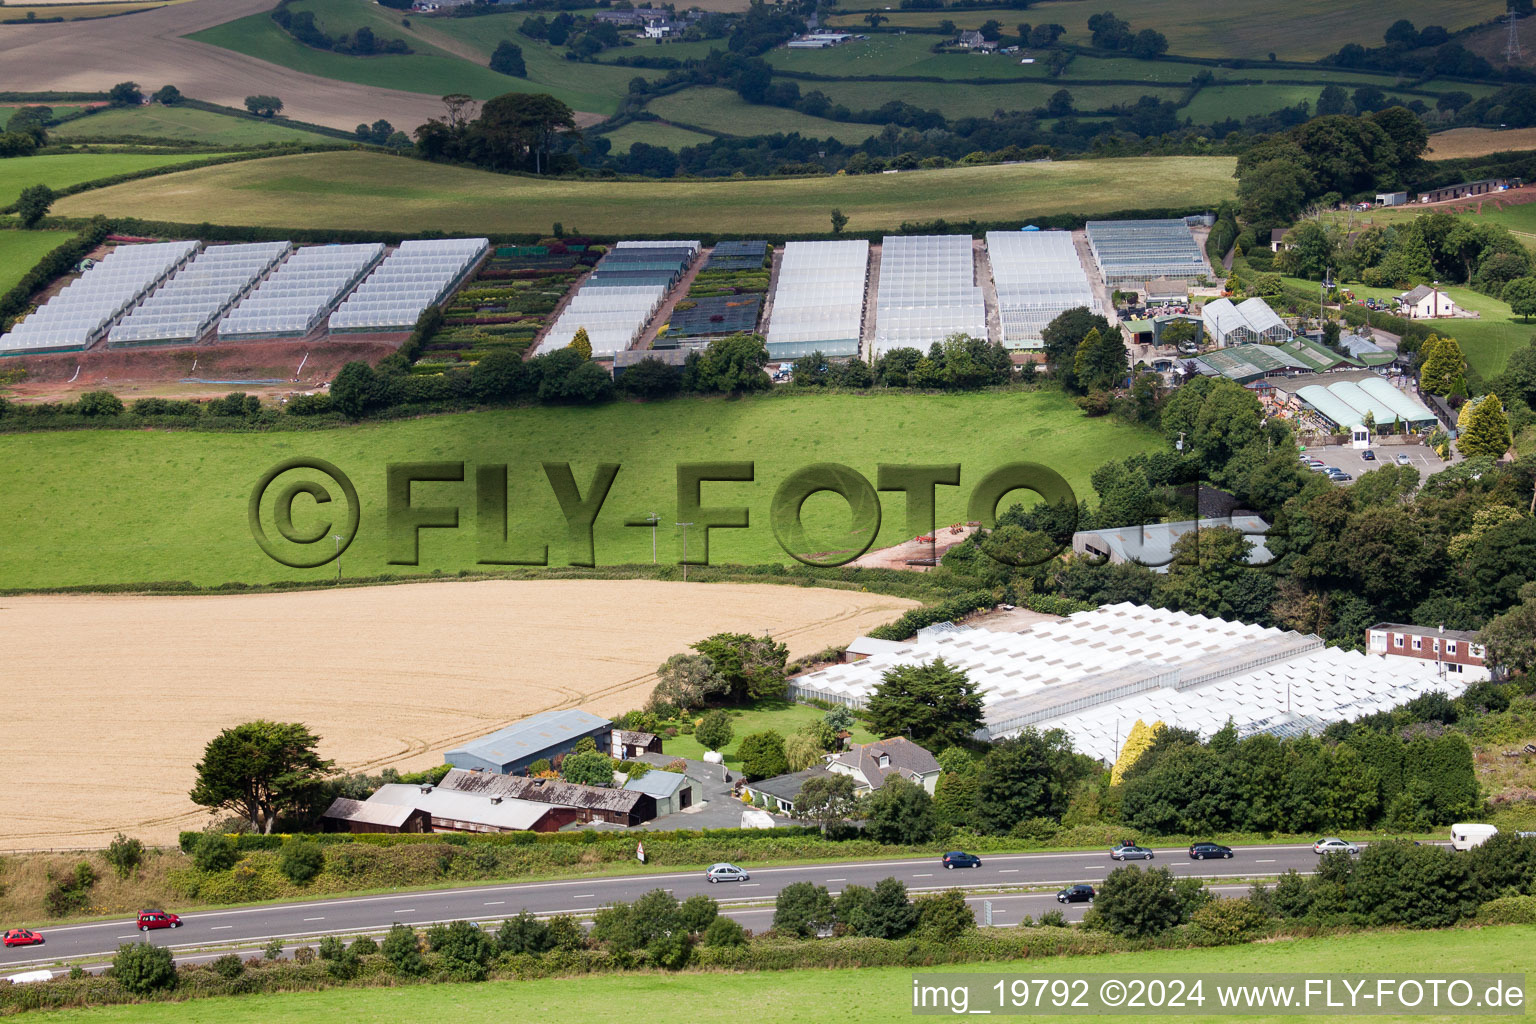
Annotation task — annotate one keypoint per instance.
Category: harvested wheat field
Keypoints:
(111, 698)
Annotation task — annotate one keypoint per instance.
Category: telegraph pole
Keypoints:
(653, 519)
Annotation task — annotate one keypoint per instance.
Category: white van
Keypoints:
(1464, 837)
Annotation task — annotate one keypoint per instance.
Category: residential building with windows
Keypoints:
(1455, 649)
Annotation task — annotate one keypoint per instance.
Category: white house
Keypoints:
(870, 764)
(1428, 301)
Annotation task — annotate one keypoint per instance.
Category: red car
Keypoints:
(157, 919)
(22, 937)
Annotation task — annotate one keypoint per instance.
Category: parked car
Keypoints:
(1317, 463)
(22, 937)
(1368, 455)
(1209, 851)
(1130, 853)
(725, 873)
(1403, 459)
(1339, 476)
(157, 919)
(1076, 894)
(1334, 845)
(961, 859)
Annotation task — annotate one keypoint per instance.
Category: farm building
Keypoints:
(1095, 673)
(867, 646)
(781, 791)
(1128, 253)
(1456, 650)
(819, 40)
(818, 299)
(1391, 198)
(1427, 302)
(1277, 239)
(515, 747)
(1347, 403)
(749, 255)
(183, 309)
(927, 292)
(1364, 350)
(1163, 290)
(1248, 322)
(1152, 544)
(1467, 189)
(673, 357)
(710, 316)
(295, 298)
(871, 764)
(1038, 275)
(445, 810)
(1245, 363)
(590, 803)
(973, 40)
(628, 744)
(672, 791)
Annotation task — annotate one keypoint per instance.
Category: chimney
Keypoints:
(1442, 627)
(495, 799)
(427, 788)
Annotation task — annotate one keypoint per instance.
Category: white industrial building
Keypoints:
(1250, 322)
(1095, 673)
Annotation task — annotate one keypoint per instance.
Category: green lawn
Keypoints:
(181, 124)
(1216, 103)
(957, 100)
(653, 133)
(721, 110)
(58, 170)
(117, 506)
(777, 716)
(370, 190)
(875, 995)
(20, 251)
(885, 54)
(1303, 30)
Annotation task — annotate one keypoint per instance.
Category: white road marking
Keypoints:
(830, 880)
(585, 896)
(314, 919)
(750, 885)
(928, 874)
(1009, 871)
(1270, 861)
(496, 903)
(221, 928)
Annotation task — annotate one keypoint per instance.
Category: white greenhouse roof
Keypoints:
(295, 298)
(1132, 252)
(1095, 673)
(614, 308)
(1038, 275)
(927, 292)
(190, 302)
(818, 299)
(418, 274)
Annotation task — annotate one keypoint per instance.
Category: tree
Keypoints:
(167, 95)
(801, 750)
(649, 378)
(1511, 637)
(945, 917)
(33, 204)
(1064, 334)
(723, 931)
(588, 768)
(142, 968)
(1444, 370)
(1028, 776)
(402, 949)
(1149, 45)
(752, 666)
(839, 221)
(1334, 100)
(100, 403)
(1101, 361)
(934, 705)
(300, 860)
(259, 770)
(732, 364)
(524, 934)
(686, 681)
(838, 718)
(1409, 136)
(124, 854)
(213, 853)
(826, 800)
(263, 105)
(899, 812)
(581, 344)
(762, 755)
(1210, 575)
(1138, 904)
(714, 730)
(884, 912)
(517, 128)
(465, 948)
(803, 909)
(508, 59)
(1487, 430)
(125, 94)
(1521, 296)
(1272, 193)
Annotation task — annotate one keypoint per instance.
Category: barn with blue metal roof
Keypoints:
(512, 749)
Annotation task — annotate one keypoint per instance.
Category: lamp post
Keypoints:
(685, 548)
(653, 519)
(337, 538)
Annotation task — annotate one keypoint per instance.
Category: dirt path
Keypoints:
(148, 48)
(386, 676)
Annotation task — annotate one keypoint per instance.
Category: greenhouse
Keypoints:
(712, 316)
(1131, 252)
(621, 295)
(1038, 275)
(182, 310)
(419, 274)
(295, 298)
(737, 256)
(927, 292)
(818, 300)
(83, 310)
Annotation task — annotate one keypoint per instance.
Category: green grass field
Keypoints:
(58, 170)
(136, 506)
(20, 251)
(1218, 102)
(181, 124)
(721, 110)
(848, 996)
(343, 190)
(886, 54)
(958, 100)
(1304, 30)
(653, 133)
(778, 716)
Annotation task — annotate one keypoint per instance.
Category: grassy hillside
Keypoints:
(20, 251)
(57, 170)
(1303, 30)
(88, 521)
(1464, 142)
(877, 994)
(721, 110)
(182, 124)
(343, 190)
(653, 133)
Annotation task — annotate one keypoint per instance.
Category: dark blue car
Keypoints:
(960, 859)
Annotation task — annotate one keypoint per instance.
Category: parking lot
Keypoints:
(1350, 459)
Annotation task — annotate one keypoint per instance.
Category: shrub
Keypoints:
(229, 966)
(214, 853)
(762, 756)
(332, 947)
(1053, 919)
(802, 909)
(403, 951)
(524, 934)
(1508, 910)
(363, 946)
(723, 931)
(141, 968)
(1138, 904)
(671, 952)
(68, 894)
(1226, 922)
(465, 948)
(274, 950)
(697, 913)
(99, 403)
(304, 955)
(945, 917)
(301, 860)
(714, 730)
(566, 933)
